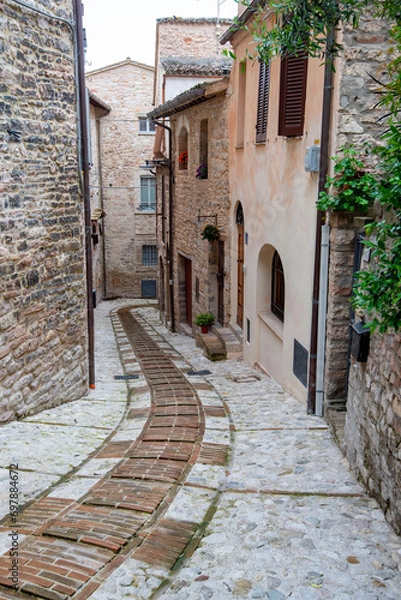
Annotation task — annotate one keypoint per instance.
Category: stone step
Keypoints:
(229, 341)
(211, 345)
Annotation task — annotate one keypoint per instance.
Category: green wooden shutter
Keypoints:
(263, 101)
(294, 70)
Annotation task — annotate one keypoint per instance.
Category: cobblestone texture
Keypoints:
(268, 509)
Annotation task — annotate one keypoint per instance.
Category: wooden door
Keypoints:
(240, 276)
(188, 291)
(220, 283)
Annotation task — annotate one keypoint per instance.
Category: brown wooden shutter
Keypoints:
(263, 101)
(294, 70)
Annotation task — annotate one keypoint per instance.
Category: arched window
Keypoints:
(183, 149)
(278, 288)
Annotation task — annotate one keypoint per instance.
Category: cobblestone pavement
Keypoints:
(180, 478)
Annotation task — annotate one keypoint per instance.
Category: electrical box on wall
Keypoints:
(312, 159)
(360, 342)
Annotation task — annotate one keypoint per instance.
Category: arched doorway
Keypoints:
(239, 219)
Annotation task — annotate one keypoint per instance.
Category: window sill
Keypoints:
(273, 323)
(146, 132)
(146, 211)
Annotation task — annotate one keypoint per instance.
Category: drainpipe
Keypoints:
(84, 133)
(323, 169)
(170, 220)
(99, 160)
(324, 272)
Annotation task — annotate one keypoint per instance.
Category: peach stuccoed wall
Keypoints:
(278, 198)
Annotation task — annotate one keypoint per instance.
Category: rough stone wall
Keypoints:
(42, 286)
(373, 426)
(207, 197)
(186, 39)
(127, 89)
(342, 247)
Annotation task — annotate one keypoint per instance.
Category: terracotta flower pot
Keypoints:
(204, 328)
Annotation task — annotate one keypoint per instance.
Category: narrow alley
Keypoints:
(182, 478)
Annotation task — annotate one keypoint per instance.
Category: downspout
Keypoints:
(324, 272)
(82, 96)
(99, 160)
(170, 220)
(323, 169)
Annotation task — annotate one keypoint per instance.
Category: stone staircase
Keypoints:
(220, 343)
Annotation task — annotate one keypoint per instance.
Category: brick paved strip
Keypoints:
(214, 411)
(176, 410)
(165, 543)
(213, 454)
(46, 564)
(138, 413)
(155, 469)
(175, 434)
(115, 450)
(36, 515)
(167, 450)
(143, 496)
(104, 527)
(177, 420)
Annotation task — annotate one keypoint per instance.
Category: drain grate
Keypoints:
(204, 372)
(126, 377)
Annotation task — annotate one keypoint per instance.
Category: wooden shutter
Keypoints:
(294, 70)
(263, 101)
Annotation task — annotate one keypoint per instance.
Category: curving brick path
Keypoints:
(71, 546)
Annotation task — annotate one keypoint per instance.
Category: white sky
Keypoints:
(122, 28)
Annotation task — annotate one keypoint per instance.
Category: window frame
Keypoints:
(149, 125)
(147, 206)
(149, 255)
(277, 302)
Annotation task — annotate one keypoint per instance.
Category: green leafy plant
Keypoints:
(210, 233)
(352, 188)
(204, 319)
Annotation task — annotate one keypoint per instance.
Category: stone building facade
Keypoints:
(42, 287)
(369, 392)
(200, 197)
(126, 193)
(188, 52)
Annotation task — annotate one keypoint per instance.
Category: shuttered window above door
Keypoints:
(294, 71)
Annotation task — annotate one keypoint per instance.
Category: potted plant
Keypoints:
(183, 159)
(204, 321)
(210, 233)
(201, 171)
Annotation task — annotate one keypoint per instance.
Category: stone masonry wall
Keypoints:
(207, 197)
(127, 89)
(373, 426)
(42, 286)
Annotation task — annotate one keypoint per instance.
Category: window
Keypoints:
(294, 70)
(183, 149)
(148, 193)
(149, 256)
(241, 104)
(148, 288)
(202, 170)
(278, 291)
(263, 101)
(146, 125)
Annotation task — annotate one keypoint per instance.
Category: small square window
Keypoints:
(146, 125)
